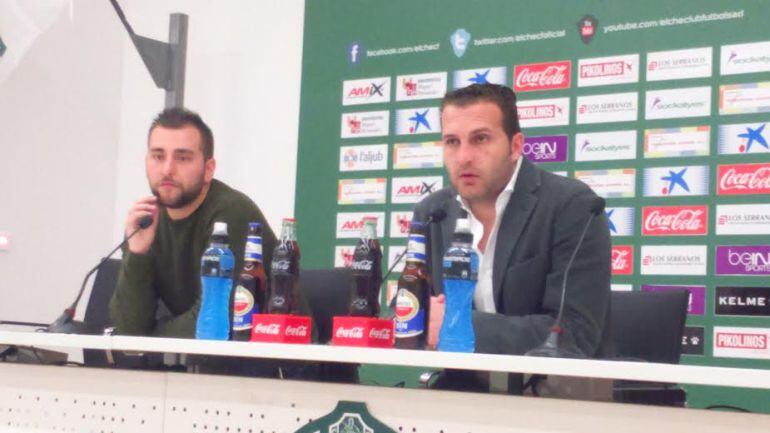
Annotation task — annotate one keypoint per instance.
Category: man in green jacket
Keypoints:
(162, 262)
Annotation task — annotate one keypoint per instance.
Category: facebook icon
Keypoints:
(354, 51)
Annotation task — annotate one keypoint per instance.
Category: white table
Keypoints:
(47, 398)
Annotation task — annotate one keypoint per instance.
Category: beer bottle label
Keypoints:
(410, 315)
(243, 306)
(416, 248)
(253, 248)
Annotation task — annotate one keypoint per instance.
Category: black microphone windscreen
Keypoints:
(597, 205)
(437, 215)
(145, 221)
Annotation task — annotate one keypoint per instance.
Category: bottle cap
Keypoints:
(255, 225)
(220, 228)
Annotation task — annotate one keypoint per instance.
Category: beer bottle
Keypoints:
(367, 272)
(249, 297)
(413, 291)
(284, 278)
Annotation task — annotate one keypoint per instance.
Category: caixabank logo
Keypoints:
(490, 75)
(620, 220)
(743, 138)
(414, 121)
(542, 76)
(676, 181)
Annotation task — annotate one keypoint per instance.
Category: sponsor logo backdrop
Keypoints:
(668, 122)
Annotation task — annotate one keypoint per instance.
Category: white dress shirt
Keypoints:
(483, 296)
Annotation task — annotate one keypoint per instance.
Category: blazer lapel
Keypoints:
(515, 217)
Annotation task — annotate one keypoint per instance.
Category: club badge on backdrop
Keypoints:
(347, 417)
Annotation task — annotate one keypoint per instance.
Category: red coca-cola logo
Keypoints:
(622, 260)
(674, 220)
(355, 332)
(296, 331)
(739, 179)
(542, 76)
(271, 329)
(380, 334)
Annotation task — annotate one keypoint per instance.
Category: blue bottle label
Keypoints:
(410, 315)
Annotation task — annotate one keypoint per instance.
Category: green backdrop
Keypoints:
(398, 37)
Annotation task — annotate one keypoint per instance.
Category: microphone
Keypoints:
(65, 324)
(436, 216)
(550, 348)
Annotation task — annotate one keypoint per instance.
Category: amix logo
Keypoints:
(411, 190)
(373, 89)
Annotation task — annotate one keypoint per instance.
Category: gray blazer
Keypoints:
(539, 230)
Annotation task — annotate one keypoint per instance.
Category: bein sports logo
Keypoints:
(548, 148)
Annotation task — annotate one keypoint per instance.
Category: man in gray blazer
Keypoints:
(526, 224)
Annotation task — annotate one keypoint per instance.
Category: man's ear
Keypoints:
(209, 168)
(517, 144)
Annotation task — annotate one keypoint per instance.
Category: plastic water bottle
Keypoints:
(216, 284)
(460, 272)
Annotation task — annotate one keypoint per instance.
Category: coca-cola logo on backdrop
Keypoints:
(622, 260)
(736, 179)
(542, 76)
(674, 220)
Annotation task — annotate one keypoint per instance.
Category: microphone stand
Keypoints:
(551, 348)
(66, 323)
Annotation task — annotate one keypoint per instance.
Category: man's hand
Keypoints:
(141, 242)
(435, 319)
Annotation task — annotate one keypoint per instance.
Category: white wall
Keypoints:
(73, 124)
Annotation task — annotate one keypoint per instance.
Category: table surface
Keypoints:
(602, 369)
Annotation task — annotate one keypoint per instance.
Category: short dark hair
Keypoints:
(176, 118)
(499, 95)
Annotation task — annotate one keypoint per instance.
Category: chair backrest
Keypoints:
(97, 311)
(328, 294)
(97, 314)
(649, 325)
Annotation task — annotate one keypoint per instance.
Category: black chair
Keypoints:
(648, 326)
(327, 292)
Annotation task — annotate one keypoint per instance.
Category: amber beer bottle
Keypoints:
(412, 295)
(284, 270)
(250, 293)
(367, 272)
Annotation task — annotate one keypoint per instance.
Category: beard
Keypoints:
(185, 196)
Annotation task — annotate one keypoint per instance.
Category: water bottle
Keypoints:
(216, 284)
(460, 272)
